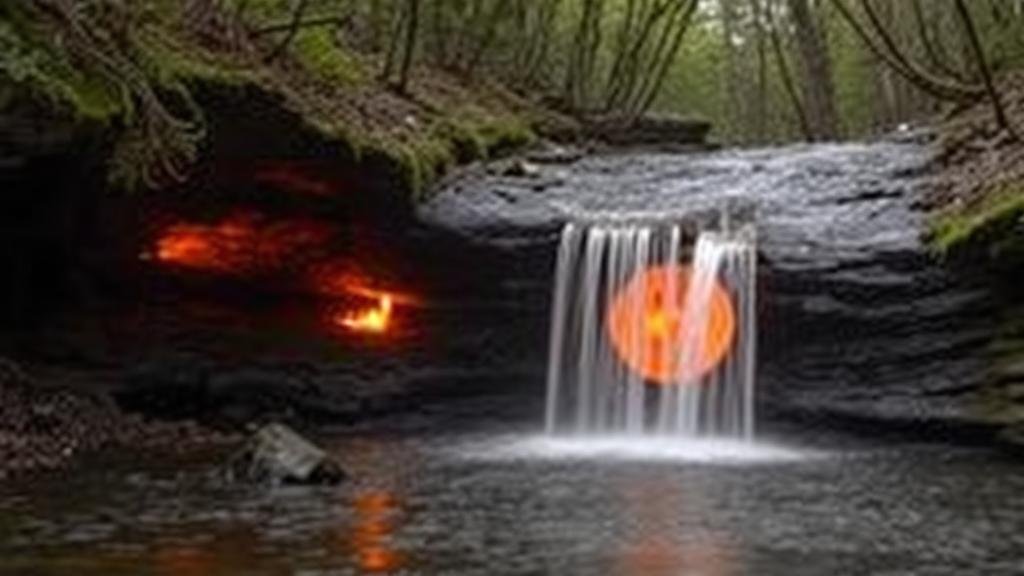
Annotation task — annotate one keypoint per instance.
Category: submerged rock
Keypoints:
(276, 454)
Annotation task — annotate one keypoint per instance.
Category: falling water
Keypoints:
(592, 390)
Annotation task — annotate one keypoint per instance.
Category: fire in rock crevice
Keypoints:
(374, 320)
(293, 255)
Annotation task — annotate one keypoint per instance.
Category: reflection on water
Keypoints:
(185, 560)
(376, 517)
(413, 508)
(651, 507)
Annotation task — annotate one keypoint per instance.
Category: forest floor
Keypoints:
(45, 427)
(978, 192)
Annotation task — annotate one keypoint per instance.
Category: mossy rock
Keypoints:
(992, 229)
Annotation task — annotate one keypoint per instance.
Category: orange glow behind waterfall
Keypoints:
(653, 346)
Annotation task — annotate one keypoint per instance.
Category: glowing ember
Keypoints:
(372, 320)
(242, 243)
(344, 279)
(652, 347)
(293, 177)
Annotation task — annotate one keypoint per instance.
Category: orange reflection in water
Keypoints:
(646, 321)
(241, 243)
(374, 527)
(183, 560)
(658, 544)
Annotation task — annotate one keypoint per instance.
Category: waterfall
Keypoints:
(651, 336)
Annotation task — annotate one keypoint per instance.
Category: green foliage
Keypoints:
(138, 66)
(316, 48)
(466, 142)
(990, 225)
(855, 80)
(503, 135)
(399, 162)
(418, 163)
(318, 51)
(29, 62)
(695, 86)
(169, 61)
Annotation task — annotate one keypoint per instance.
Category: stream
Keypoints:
(868, 457)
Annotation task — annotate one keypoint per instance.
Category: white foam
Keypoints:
(622, 448)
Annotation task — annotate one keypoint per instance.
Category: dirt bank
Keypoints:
(45, 427)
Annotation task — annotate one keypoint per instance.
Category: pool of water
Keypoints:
(474, 490)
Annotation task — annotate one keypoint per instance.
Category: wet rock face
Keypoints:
(277, 454)
(856, 318)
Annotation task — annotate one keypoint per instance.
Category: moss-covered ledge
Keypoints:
(991, 231)
(147, 92)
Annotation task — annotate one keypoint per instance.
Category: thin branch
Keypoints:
(986, 73)
(307, 23)
(293, 30)
(890, 54)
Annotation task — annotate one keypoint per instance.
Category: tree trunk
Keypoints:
(784, 73)
(735, 114)
(971, 34)
(412, 28)
(760, 104)
(818, 85)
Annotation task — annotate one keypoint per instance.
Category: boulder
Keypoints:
(276, 455)
(651, 130)
(555, 154)
(516, 168)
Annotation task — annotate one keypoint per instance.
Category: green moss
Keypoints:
(417, 164)
(319, 52)
(411, 166)
(157, 138)
(397, 162)
(477, 136)
(467, 144)
(167, 62)
(989, 225)
(27, 61)
(316, 48)
(435, 158)
(503, 135)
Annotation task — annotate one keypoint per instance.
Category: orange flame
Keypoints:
(241, 243)
(372, 320)
(652, 346)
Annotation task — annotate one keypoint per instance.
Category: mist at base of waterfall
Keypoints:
(639, 448)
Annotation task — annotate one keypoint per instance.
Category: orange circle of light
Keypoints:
(656, 352)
